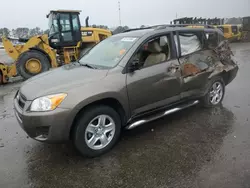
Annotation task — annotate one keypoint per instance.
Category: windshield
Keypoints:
(53, 26)
(109, 52)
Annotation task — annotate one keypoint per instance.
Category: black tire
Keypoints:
(82, 124)
(1, 77)
(26, 56)
(206, 100)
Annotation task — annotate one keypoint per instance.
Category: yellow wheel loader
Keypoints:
(231, 32)
(65, 43)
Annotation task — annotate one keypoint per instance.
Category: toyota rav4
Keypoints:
(125, 81)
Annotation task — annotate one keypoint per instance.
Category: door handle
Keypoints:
(173, 68)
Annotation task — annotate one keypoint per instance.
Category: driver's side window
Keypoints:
(153, 51)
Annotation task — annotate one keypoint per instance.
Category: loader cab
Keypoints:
(65, 28)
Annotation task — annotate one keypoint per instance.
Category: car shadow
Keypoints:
(179, 143)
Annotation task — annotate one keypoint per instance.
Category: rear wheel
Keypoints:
(31, 63)
(97, 131)
(215, 93)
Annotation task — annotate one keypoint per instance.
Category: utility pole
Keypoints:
(119, 8)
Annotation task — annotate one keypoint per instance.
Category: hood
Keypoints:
(59, 80)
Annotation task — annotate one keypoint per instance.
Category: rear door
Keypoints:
(155, 85)
(195, 60)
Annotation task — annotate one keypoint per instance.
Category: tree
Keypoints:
(22, 32)
(46, 32)
(4, 32)
(120, 29)
(35, 31)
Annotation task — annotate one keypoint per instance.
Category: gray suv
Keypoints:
(125, 81)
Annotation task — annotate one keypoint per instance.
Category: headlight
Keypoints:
(54, 40)
(47, 103)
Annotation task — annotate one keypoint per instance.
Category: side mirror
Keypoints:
(134, 65)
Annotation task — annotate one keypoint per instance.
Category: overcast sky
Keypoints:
(32, 13)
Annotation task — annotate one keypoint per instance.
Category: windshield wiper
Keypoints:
(86, 65)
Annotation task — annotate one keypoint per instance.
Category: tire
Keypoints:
(1, 78)
(28, 56)
(207, 100)
(84, 132)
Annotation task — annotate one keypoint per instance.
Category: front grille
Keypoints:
(21, 103)
(21, 99)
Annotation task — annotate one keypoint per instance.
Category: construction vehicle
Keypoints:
(232, 32)
(65, 43)
(202, 21)
(246, 29)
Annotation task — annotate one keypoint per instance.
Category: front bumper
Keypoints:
(43, 126)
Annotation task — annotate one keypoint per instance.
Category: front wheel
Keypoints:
(215, 93)
(97, 131)
(31, 63)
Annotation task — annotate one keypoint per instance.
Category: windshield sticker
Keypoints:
(128, 39)
(122, 51)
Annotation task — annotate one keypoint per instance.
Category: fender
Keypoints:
(96, 99)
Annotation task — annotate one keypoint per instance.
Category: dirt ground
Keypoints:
(196, 148)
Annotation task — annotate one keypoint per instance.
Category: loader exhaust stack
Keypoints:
(87, 21)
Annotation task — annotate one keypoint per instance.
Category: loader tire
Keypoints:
(1, 78)
(32, 63)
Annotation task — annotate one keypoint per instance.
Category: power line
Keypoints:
(119, 8)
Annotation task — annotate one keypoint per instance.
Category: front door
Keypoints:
(157, 83)
(70, 29)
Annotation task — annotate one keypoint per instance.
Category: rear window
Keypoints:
(212, 39)
(189, 43)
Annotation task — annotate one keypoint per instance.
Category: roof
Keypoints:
(64, 11)
(75, 11)
(139, 32)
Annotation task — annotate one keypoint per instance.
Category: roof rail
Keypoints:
(164, 26)
(181, 25)
(149, 27)
(135, 29)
